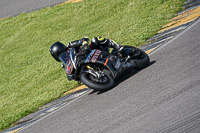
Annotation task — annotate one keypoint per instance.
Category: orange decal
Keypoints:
(106, 62)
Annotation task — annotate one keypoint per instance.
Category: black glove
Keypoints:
(84, 40)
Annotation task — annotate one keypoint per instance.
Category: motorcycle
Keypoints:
(98, 69)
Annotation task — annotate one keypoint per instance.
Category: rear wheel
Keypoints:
(102, 83)
(140, 60)
(138, 57)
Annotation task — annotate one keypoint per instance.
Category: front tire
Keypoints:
(88, 81)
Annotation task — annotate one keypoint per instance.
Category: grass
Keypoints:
(30, 77)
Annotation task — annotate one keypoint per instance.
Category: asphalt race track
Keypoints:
(163, 98)
(14, 7)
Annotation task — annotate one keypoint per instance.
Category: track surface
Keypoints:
(14, 7)
(162, 98)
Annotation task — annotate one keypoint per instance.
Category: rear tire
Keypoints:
(141, 61)
(85, 78)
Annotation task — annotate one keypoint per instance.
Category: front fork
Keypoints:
(97, 74)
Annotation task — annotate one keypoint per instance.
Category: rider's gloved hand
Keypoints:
(84, 40)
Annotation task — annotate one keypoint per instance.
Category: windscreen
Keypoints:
(65, 57)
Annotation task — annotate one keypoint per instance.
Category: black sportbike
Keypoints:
(98, 69)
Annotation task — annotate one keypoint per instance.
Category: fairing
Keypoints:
(95, 57)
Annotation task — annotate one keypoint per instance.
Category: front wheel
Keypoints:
(100, 84)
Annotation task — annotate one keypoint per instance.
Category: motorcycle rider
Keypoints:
(96, 43)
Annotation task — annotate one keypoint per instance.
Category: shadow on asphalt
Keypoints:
(122, 79)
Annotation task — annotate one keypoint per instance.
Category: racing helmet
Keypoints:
(56, 49)
(98, 41)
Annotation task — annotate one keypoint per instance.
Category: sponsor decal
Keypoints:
(69, 67)
(106, 62)
(118, 64)
(90, 55)
(96, 55)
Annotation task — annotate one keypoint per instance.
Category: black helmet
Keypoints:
(56, 49)
(98, 41)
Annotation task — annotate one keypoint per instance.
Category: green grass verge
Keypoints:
(30, 77)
